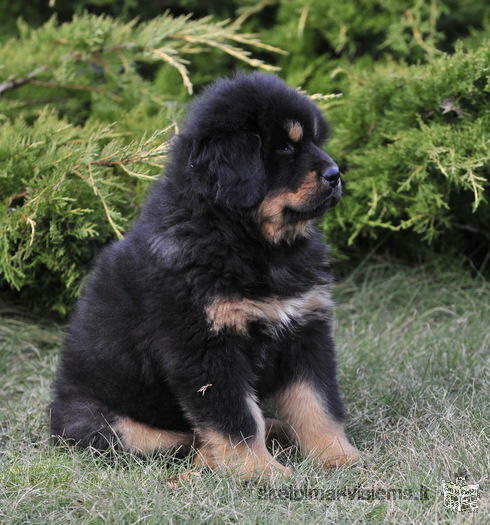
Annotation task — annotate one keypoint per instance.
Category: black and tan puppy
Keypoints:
(218, 297)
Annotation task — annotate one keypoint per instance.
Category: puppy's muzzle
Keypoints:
(331, 175)
(332, 183)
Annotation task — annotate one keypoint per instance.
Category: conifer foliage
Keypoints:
(416, 144)
(84, 129)
(87, 108)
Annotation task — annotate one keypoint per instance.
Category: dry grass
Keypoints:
(413, 351)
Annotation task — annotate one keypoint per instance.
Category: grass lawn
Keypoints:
(413, 354)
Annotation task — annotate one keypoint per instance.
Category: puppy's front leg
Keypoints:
(248, 456)
(316, 431)
(218, 400)
(309, 400)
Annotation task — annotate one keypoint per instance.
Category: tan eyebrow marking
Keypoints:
(295, 130)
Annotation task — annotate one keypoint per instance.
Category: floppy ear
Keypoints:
(229, 168)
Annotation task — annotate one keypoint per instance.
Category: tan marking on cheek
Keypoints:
(273, 205)
(316, 432)
(142, 438)
(295, 131)
(248, 458)
(270, 217)
(271, 210)
(307, 188)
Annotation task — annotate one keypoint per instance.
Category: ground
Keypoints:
(413, 354)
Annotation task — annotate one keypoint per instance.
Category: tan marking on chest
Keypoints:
(278, 312)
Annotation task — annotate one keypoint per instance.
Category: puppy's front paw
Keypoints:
(242, 461)
(272, 470)
(336, 456)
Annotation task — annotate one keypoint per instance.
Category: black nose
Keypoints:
(332, 174)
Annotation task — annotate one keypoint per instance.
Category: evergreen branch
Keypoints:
(79, 87)
(134, 174)
(17, 82)
(231, 50)
(476, 187)
(32, 224)
(97, 192)
(249, 11)
(74, 182)
(20, 104)
(249, 39)
(108, 162)
(417, 35)
(179, 66)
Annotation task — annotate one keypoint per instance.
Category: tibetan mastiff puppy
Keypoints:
(217, 300)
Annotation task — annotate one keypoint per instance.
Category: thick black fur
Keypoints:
(139, 343)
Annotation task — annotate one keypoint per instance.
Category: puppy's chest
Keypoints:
(276, 313)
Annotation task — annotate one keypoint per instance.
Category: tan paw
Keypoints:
(242, 462)
(273, 469)
(253, 467)
(346, 455)
(176, 480)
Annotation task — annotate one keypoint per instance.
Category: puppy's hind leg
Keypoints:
(144, 439)
(87, 423)
(83, 422)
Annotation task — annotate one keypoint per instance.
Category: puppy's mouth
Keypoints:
(315, 208)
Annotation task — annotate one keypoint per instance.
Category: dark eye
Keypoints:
(286, 148)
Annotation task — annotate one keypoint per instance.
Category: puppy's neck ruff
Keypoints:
(276, 231)
(278, 313)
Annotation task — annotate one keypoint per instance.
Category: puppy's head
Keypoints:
(253, 143)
